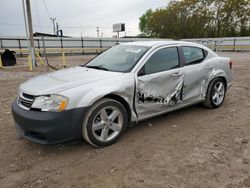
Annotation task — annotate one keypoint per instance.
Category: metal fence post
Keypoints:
(234, 44)
(82, 45)
(45, 54)
(101, 44)
(20, 47)
(38, 44)
(1, 43)
(63, 53)
(61, 42)
(1, 64)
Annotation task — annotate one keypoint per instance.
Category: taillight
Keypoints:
(231, 64)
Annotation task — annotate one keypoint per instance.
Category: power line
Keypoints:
(38, 19)
(12, 24)
(46, 8)
(49, 16)
(62, 26)
(21, 25)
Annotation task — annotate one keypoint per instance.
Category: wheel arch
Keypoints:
(224, 80)
(221, 77)
(122, 101)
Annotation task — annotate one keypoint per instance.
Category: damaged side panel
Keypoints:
(158, 92)
(196, 81)
(198, 77)
(165, 91)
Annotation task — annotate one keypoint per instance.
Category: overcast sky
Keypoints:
(76, 17)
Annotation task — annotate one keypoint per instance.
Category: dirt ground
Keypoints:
(193, 147)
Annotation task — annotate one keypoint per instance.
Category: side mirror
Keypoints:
(141, 72)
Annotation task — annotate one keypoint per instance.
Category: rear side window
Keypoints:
(193, 55)
(162, 60)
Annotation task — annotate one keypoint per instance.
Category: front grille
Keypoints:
(25, 100)
(27, 96)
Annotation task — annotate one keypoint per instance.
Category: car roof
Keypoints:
(156, 43)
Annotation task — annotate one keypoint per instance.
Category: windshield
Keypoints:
(121, 58)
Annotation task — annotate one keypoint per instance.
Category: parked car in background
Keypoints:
(123, 85)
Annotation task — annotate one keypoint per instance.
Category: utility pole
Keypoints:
(57, 29)
(25, 22)
(31, 39)
(53, 22)
(97, 30)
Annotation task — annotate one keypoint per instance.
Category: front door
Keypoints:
(159, 84)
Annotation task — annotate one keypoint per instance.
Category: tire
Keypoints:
(105, 122)
(215, 94)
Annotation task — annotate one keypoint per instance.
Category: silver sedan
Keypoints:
(120, 87)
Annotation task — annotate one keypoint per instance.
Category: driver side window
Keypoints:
(162, 60)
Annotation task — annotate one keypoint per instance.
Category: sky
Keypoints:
(76, 17)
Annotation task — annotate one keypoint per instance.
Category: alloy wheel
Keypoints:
(218, 93)
(107, 124)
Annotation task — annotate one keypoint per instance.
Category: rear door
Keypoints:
(196, 73)
(159, 82)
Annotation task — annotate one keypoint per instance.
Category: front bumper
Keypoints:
(49, 127)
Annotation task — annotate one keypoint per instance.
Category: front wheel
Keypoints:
(216, 93)
(105, 122)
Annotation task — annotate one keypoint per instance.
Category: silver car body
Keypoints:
(187, 84)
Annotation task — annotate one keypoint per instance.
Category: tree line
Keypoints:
(198, 19)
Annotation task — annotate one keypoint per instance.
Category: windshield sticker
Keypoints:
(133, 50)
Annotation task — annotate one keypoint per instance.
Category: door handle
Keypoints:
(208, 67)
(176, 74)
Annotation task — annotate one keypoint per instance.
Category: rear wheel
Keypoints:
(105, 122)
(215, 93)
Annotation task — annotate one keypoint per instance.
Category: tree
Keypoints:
(144, 23)
(198, 18)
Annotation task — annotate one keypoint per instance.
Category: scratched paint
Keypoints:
(155, 94)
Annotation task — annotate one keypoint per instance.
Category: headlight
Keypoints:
(56, 103)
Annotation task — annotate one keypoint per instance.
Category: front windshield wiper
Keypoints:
(97, 67)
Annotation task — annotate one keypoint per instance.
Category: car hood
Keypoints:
(61, 80)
